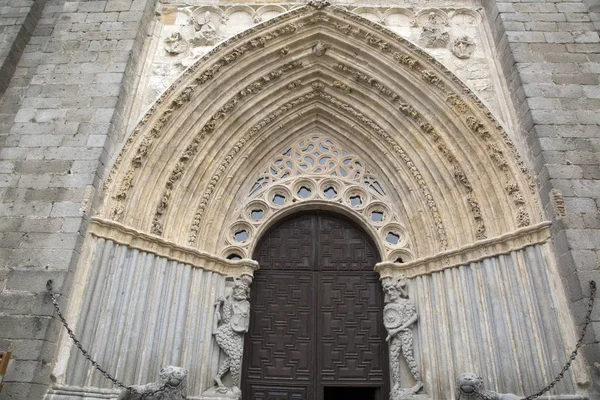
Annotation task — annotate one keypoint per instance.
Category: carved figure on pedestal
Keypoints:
(433, 34)
(206, 31)
(399, 314)
(470, 387)
(232, 321)
(174, 381)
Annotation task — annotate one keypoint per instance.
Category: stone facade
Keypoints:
(77, 77)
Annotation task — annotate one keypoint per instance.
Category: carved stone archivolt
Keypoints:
(201, 156)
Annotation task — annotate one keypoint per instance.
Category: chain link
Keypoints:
(86, 354)
(588, 319)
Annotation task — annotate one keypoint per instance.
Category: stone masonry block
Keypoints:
(50, 258)
(27, 371)
(23, 391)
(572, 7)
(559, 37)
(587, 188)
(42, 166)
(25, 303)
(583, 239)
(564, 171)
(526, 37)
(118, 5)
(580, 205)
(92, 6)
(66, 209)
(33, 279)
(23, 327)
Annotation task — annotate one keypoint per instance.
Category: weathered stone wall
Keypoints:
(17, 22)
(59, 118)
(550, 54)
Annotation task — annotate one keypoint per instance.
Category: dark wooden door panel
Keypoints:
(349, 329)
(260, 392)
(281, 335)
(342, 247)
(316, 312)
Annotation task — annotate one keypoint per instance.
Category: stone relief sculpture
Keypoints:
(463, 47)
(320, 49)
(232, 320)
(205, 31)
(470, 387)
(176, 44)
(175, 379)
(433, 34)
(399, 314)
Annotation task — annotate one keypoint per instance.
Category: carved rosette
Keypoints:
(463, 47)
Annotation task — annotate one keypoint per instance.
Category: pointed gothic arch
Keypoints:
(321, 69)
(455, 185)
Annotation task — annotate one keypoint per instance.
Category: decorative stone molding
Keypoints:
(536, 234)
(152, 244)
(316, 171)
(441, 88)
(206, 130)
(427, 128)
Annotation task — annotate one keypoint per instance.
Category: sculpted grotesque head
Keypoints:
(468, 386)
(172, 375)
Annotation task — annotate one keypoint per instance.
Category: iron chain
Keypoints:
(86, 354)
(588, 319)
(132, 390)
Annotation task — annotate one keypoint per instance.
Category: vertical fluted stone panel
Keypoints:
(497, 318)
(143, 312)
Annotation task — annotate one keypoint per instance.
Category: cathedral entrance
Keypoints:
(316, 327)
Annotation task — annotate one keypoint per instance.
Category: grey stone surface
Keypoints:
(559, 72)
(61, 80)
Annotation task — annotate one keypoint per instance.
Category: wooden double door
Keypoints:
(316, 325)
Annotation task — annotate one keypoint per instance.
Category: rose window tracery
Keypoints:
(316, 170)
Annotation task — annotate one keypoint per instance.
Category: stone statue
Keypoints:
(232, 321)
(433, 35)
(399, 314)
(175, 379)
(463, 47)
(206, 32)
(470, 387)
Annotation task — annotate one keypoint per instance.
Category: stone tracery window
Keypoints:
(317, 168)
(320, 157)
